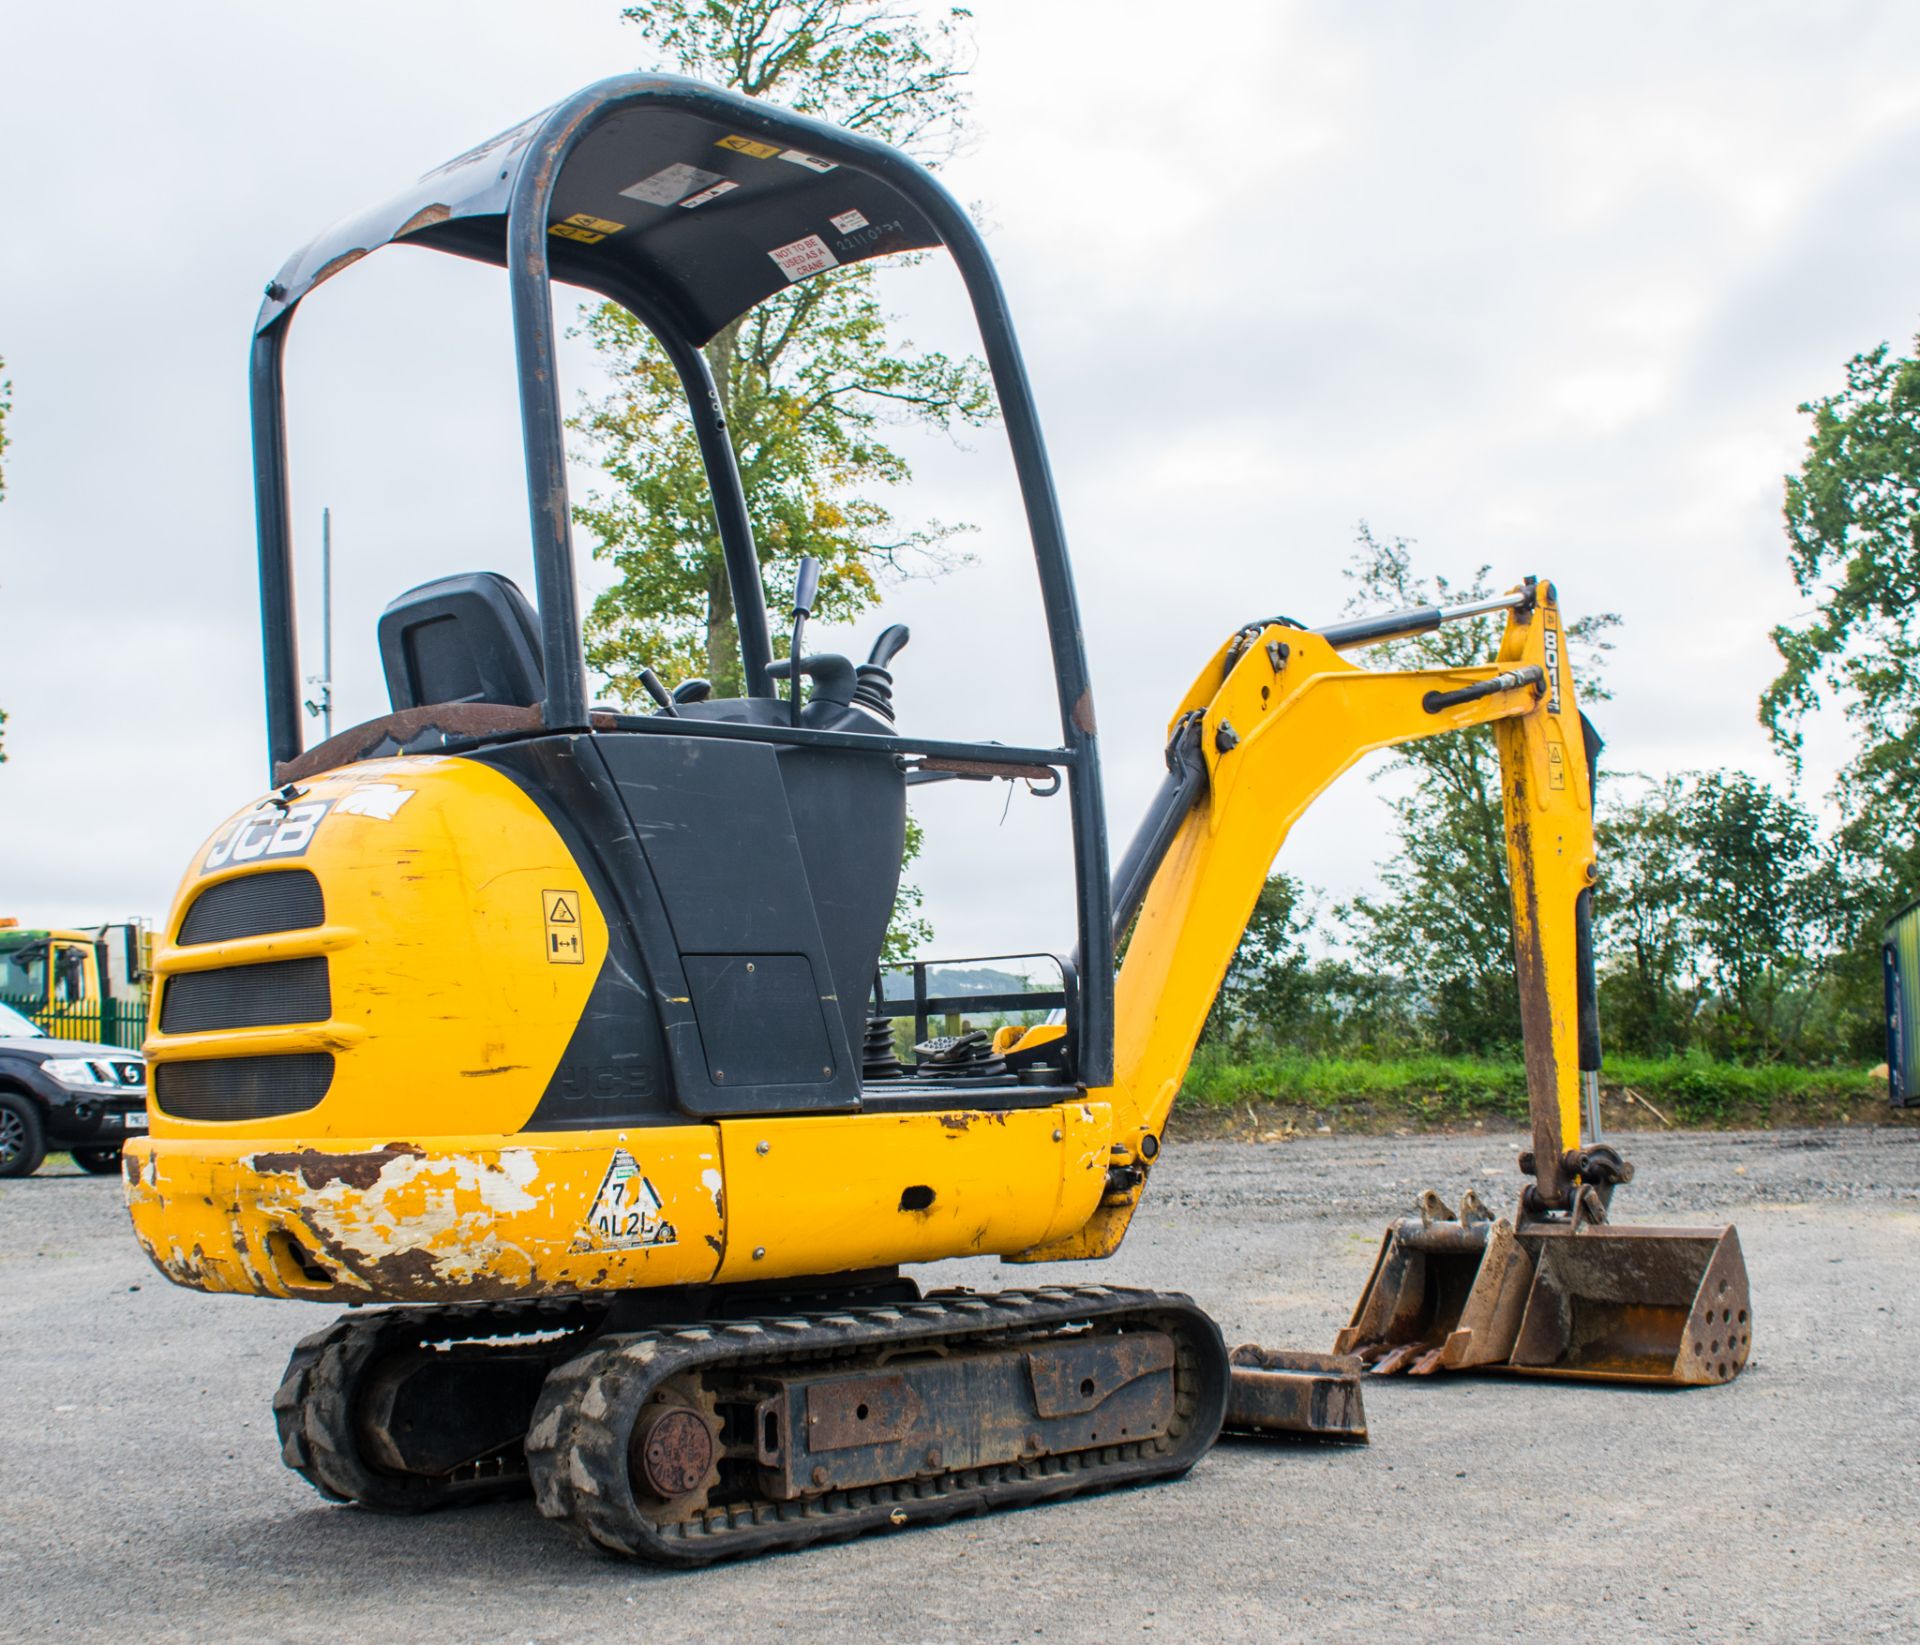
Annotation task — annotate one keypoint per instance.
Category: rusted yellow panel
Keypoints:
(811, 1195)
(461, 1218)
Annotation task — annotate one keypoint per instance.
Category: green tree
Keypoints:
(1726, 922)
(1279, 997)
(1444, 922)
(810, 382)
(1650, 994)
(1269, 985)
(1770, 907)
(1853, 528)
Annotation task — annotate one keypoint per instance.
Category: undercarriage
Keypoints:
(686, 1443)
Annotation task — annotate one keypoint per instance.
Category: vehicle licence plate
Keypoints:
(135, 1121)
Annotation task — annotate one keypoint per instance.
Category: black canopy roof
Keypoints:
(686, 194)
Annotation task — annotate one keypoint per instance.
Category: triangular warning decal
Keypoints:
(563, 913)
(626, 1211)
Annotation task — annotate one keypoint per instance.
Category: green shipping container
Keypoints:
(1900, 950)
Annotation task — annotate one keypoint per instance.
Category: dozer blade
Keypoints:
(1281, 1393)
(1668, 1306)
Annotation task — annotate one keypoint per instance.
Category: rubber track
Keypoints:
(314, 1408)
(577, 1452)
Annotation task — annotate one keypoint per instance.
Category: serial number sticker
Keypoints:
(625, 1214)
(586, 229)
(725, 186)
(561, 911)
(267, 834)
(671, 184)
(746, 145)
(812, 162)
(848, 221)
(803, 257)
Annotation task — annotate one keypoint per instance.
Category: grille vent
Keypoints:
(242, 1088)
(247, 996)
(253, 906)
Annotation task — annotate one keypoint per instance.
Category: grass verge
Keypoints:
(1228, 1094)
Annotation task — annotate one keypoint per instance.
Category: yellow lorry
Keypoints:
(80, 983)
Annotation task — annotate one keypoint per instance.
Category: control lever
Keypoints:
(875, 690)
(658, 692)
(806, 587)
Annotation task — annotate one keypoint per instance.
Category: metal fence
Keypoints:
(121, 1023)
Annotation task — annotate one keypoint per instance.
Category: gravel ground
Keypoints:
(141, 1494)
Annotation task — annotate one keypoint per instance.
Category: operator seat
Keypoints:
(471, 638)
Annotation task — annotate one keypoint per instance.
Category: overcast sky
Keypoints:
(1537, 286)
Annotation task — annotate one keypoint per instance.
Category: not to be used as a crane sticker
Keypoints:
(803, 257)
(625, 1214)
(565, 944)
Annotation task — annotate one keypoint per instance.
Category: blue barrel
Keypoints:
(1900, 951)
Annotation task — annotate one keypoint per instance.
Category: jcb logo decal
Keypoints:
(267, 834)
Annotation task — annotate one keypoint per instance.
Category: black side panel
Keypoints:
(615, 1068)
(726, 865)
(850, 813)
(760, 1019)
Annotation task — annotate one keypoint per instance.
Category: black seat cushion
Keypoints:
(472, 638)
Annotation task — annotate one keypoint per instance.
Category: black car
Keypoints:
(71, 1094)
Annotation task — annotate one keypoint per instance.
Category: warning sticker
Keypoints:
(723, 186)
(625, 1214)
(804, 257)
(586, 229)
(810, 161)
(746, 145)
(1556, 765)
(848, 221)
(671, 184)
(565, 944)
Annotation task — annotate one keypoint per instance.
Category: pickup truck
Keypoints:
(65, 1094)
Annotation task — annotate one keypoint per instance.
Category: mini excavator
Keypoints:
(553, 1031)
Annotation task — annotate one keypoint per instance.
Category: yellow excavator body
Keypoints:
(455, 950)
(560, 1033)
(456, 947)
